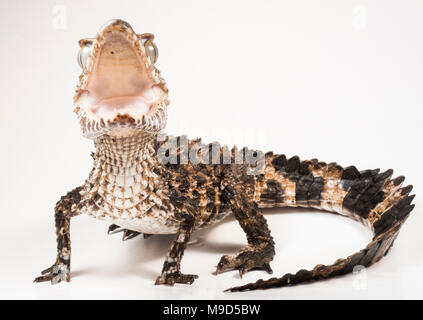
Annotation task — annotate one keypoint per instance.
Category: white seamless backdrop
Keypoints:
(335, 80)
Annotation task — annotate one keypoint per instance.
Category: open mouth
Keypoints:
(136, 106)
(119, 79)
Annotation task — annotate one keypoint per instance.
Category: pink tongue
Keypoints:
(133, 105)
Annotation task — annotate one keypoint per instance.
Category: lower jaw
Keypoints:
(123, 125)
(134, 109)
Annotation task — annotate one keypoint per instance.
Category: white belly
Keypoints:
(155, 222)
(147, 224)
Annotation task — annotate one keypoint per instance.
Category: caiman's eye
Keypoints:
(84, 54)
(151, 50)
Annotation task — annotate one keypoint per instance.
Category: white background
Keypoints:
(336, 80)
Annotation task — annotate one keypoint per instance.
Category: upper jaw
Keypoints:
(120, 87)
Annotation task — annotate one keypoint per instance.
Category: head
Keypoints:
(120, 91)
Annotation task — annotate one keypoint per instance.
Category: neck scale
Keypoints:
(123, 183)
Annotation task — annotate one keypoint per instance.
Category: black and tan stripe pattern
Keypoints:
(138, 193)
(367, 196)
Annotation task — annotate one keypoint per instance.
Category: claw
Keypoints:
(164, 280)
(177, 277)
(242, 265)
(241, 272)
(225, 263)
(112, 229)
(56, 273)
(48, 270)
(40, 279)
(129, 234)
(186, 278)
(267, 268)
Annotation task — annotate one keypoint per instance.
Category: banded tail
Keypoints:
(367, 196)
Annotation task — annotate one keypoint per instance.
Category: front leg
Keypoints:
(238, 193)
(171, 273)
(65, 209)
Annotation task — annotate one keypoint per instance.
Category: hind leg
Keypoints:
(260, 249)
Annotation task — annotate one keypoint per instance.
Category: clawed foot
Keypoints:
(176, 277)
(56, 273)
(244, 262)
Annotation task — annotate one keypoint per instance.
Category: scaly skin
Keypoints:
(137, 186)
